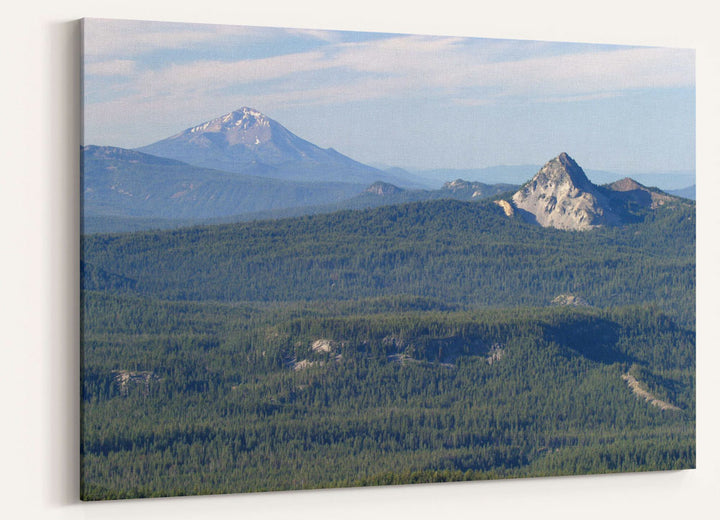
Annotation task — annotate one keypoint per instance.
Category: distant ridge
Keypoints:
(686, 193)
(639, 194)
(119, 184)
(518, 174)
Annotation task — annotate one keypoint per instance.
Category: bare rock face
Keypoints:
(570, 300)
(561, 196)
(383, 188)
(506, 207)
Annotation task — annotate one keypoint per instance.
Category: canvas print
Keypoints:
(317, 259)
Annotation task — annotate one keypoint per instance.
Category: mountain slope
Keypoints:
(126, 190)
(402, 396)
(246, 140)
(462, 252)
(376, 195)
(411, 343)
(385, 194)
(127, 183)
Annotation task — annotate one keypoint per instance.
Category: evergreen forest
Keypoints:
(428, 341)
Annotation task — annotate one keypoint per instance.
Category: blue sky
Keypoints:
(413, 101)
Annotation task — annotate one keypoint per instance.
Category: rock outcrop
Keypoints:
(383, 189)
(570, 300)
(506, 207)
(561, 196)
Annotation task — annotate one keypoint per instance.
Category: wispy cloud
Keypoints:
(455, 63)
(409, 62)
(215, 75)
(110, 68)
(110, 38)
(580, 98)
(598, 72)
(326, 36)
(461, 71)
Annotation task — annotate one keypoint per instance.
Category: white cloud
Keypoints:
(215, 75)
(110, 38)
(398, 55)
(408, 63)
(326, 36)
(105, 38)
(469, 72)
(110, 68)
(476, 101)
(586, 73)
(581, 97)
(439, 62)
(454, 63)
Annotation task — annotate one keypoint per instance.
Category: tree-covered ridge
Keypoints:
(129, 186)
(462, 252)
(127, 190)
(408, 343)
(243, 399)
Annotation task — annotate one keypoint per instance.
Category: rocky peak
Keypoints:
(244, 126)
(243, 118)
(561, 196)
(561, 170)
(383, 188)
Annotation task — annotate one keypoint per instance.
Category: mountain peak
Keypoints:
(565, 158)
(560, 195)
(244, 125)
(563, 169)
(570, 164)
(247, 115)
(247, 139)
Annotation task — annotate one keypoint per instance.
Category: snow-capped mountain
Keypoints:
(245, 139)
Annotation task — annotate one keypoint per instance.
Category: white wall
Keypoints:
(39, 204)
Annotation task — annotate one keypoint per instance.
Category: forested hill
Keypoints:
(421, 342)
(464, 252)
